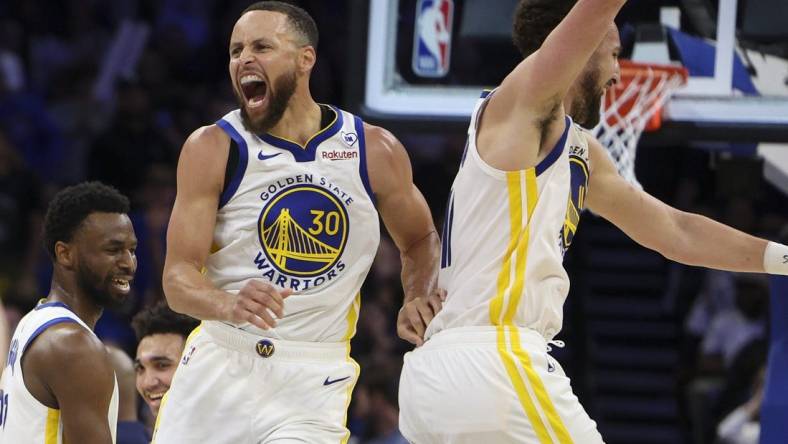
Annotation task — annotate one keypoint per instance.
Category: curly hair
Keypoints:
(534, 20)
(299, 19)
(160, 319)
(71, 206)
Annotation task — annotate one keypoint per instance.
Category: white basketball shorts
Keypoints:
(489, 385)
(232, 387)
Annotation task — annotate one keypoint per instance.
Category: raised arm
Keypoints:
(67, 368)
(407, 218)
(190, 234)
(679, 236)
(540, 82)
(524, 117)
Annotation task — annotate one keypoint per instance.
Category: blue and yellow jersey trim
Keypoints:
(306, 153)
(539, 408)
(352, 320)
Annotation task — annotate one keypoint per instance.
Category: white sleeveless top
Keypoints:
(505, 235)
(24, 419)
(301, 218)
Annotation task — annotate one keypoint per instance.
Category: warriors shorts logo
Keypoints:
(303, 230)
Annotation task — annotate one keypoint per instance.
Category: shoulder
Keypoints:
(380, 141)
(67, 342)
(205, 151)
(67, 350)
(598, 157)
(387, 160)
(206, 140)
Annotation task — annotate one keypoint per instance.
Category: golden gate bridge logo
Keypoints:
(303, 230)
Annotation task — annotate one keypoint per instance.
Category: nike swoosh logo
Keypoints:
(333, 381)
(262, 156)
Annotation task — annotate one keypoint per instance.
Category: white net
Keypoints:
(630, 107)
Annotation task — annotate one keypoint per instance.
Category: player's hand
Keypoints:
(416, 314)
(260, 304)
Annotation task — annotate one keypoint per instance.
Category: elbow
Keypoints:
(172, 292)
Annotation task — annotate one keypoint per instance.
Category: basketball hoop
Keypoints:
(634, 105)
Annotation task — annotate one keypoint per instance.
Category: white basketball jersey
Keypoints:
(505, 235)
(24, 419)
(301, 218)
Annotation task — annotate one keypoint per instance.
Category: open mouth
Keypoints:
(154, 397)
(254, 89)
(121, 284)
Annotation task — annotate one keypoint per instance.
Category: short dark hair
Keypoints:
(534, 20)
(71, 206)
(299, 19)
(160, 319)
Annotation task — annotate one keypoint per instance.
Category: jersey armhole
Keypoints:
(362, 164)
(233, 176)
(42, 328)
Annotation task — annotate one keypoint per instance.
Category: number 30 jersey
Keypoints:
(302, 218)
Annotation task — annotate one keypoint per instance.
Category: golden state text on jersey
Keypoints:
(298, 217)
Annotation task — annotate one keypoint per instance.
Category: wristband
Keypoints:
(775, 258)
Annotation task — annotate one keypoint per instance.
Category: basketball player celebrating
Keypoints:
(484, 374)
(277, 203)
(59, 384)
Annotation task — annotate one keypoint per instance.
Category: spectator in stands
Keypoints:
(375, 415)
(130, 145)
(731, 329)
(21, 216)
(742, 426)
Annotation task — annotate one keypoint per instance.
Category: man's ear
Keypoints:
(307, 59)
(65, 254)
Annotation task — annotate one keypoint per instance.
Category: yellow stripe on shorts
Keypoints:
(513, 185)
(518, 244)
(539, 389)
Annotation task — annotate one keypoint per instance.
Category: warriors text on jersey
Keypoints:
(505, 235)
(301, 218)
(24, 419)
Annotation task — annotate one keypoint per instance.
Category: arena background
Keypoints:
(657, 352)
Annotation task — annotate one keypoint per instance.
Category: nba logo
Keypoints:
(432, 40)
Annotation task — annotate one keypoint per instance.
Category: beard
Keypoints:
(97, 289)
(587, 106)
(281, 92)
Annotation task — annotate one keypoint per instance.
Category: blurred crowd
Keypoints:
(101, 90)
(724, 316)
